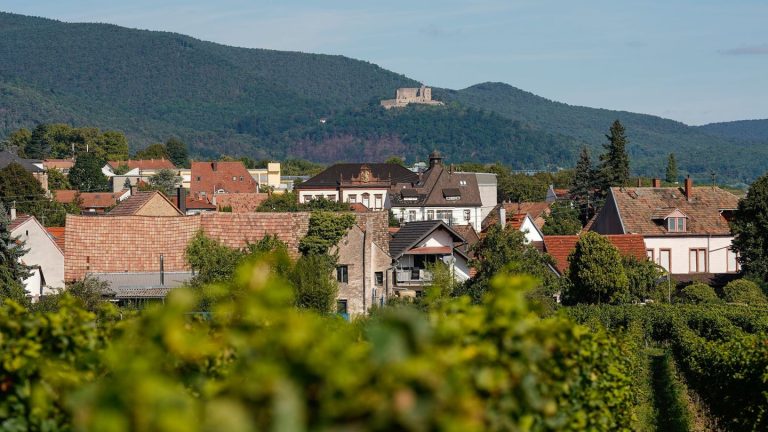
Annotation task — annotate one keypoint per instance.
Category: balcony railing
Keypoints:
(413, 276)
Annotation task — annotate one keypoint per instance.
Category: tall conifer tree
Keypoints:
(12, 270)
(671, 176)
(614, 170)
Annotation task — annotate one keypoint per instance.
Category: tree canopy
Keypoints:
(595, 272)
(614, 168)
(86, 175)
(750, 229)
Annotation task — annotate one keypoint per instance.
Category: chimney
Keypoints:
(181, 199)
(657, 182)
(214, 165)
(502, 217)
(688, 187)
(162, 270)
(13, 211)
(639, 182)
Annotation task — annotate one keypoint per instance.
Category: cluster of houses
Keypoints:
(138, 245)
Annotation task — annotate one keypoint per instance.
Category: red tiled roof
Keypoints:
(639, 206)
(135, 243)
(20, 219)
(358, 207)
(232, 177)
(560, 246)
(98, 199)
(195, 204)
(535, 209)
(65, 196)
(144, 164)
(58, 163)
(241, 202)
(58, 235)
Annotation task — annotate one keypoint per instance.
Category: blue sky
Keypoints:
(696, 61)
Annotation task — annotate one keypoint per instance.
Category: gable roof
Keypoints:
(7, 158)
(20, 220)
(640, 209)
(332, 176)
(438, 187)
(412, 233)
(144, 164)
(61, 164)
(560, 246)
(99, 199)
(133, 204)
(230, 176)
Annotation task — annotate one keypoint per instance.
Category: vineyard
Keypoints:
(256, 362)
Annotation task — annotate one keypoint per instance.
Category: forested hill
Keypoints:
(263, 103)
(753, 130)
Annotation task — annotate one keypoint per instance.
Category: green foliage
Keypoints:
(210, 260)
(595, 272)
(585, 181)
(503, 251)
(57, 141)
(325, 231)
(744, 291)
(289, 202)
(397, 160)
(18, 186)
(153, 151)
(671, 172)
(750, 229)
(57, 180)
(177, 152)
(300, 167)
(12, 269)
(642, 276)
(614, 168)
(166, 181)
(314, 283)
(563, 220)
(697, 293)
(86, 175)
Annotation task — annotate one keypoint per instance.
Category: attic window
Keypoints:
(676, 224)
(452, 194)
(462, 182)
(409, 195)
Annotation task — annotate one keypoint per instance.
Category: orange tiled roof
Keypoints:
(241, 202)
(535, 209)
(65, 196)
(210, 177)
(88, 199)
(58, 163)
(637, 207)
(58, 235)
(358, 207)
(20, 219)
(560, 246)
(144, 164)
(134, 203)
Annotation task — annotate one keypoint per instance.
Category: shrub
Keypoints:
(697, 293)
(743, 291)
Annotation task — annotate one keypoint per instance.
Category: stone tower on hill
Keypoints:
(405, 96)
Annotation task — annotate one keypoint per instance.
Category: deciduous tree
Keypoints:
(595, 272)
(86, 175)
(177, 152)
(750, 228)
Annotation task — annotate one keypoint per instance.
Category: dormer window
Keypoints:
(676, 224)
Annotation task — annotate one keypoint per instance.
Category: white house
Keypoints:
(440, 193)
(44, 257)
(416, 245)
(363, 183)
(686, 229)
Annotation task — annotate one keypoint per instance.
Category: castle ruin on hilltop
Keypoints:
(405, 96)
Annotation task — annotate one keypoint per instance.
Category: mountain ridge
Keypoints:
(268, 103)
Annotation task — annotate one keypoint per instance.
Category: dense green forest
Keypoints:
(755, 130)
(275, 104)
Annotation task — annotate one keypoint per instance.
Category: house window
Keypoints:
(198, 178)
(467, 215)
(241, 178)
(733, 262)
(331, 197)
(352, 198)
(698, 260)
(445, 215)
(234, 178)
(307, 198)
(367, 200)
(676, 224)
(665, 259)
(342, 274)
(649, 254)
(411, 215)
(341, 306)
(379, 278)
(378, 201)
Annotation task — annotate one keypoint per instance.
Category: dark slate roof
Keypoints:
(142, 285)
(435, 186)
(7, 158)
(393, 173)
(412, 233)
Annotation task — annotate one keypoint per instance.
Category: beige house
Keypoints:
(150, 203)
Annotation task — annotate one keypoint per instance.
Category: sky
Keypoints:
(696, 61)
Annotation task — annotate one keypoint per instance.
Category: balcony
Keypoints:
(413, 277)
